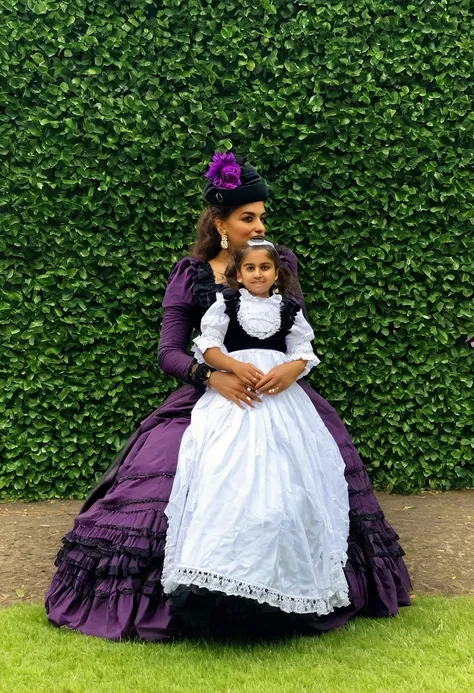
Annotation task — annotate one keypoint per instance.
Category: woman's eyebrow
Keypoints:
(252, 214)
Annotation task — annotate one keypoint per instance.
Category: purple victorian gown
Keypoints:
(107, 582)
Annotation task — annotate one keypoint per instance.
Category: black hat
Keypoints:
(233, 182)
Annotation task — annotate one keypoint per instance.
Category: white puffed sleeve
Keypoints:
(298, 344)
(214, 325)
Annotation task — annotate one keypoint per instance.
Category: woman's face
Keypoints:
(244, 223)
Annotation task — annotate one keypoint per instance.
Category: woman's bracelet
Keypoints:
(200, 374)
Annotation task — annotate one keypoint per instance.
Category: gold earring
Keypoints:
(224, 241)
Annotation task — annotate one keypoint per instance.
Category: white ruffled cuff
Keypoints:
(305, 353)
(212, 338)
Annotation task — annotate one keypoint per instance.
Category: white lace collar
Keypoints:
(260, 317)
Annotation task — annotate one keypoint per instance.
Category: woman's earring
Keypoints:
(275, 289)
(224, 241)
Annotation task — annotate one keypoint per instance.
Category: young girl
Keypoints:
(259, 507)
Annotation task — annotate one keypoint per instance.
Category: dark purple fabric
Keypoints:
(108, 579)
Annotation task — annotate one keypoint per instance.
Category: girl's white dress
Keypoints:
(259, 506)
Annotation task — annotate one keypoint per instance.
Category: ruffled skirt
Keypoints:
(259, 507)
(109, 569)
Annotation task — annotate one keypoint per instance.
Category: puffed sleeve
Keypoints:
(214, 325)
(177, 325)
(298, 344)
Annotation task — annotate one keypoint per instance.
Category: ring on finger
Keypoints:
(249, 389)
(272, 390)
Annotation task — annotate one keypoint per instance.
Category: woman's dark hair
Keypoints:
(208, 241)
(286, 282)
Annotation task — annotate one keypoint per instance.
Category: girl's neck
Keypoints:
(256, 295)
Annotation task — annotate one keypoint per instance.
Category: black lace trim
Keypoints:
(362, 517)
(353, 472)
(106, 544)
(360, 492)
(124, 529)
(396, 553)
(368, 531)
(289, 309)
(127, 591)
(113, 505)
(197, 376)
(149, 589)
(134, 477)
(97, 551)
(205, 287)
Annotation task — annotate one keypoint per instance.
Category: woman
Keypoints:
(108, 581)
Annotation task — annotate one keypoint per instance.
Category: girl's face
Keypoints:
(257, 272)
(244, 223)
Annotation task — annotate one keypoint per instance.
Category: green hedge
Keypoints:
(360, 115)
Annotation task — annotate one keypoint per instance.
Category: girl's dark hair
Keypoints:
(208, 241)
(286, 282)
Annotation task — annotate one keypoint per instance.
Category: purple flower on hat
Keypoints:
(224, 171)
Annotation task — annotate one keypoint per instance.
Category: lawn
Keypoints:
(429, 647)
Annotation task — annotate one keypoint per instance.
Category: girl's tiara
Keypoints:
(258, 240)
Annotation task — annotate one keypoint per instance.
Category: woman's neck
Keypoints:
(223, 257)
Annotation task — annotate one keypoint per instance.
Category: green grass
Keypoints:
(430, 647)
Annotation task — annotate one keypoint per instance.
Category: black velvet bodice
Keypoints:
(237, 338)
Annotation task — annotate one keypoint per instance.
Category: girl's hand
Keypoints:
(280, 378)
(229, 386)
(247, 373)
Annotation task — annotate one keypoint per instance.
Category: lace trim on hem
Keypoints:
(323, 605)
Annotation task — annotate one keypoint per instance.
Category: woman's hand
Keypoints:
(247, 373)
(280, 378)
(229, 386)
